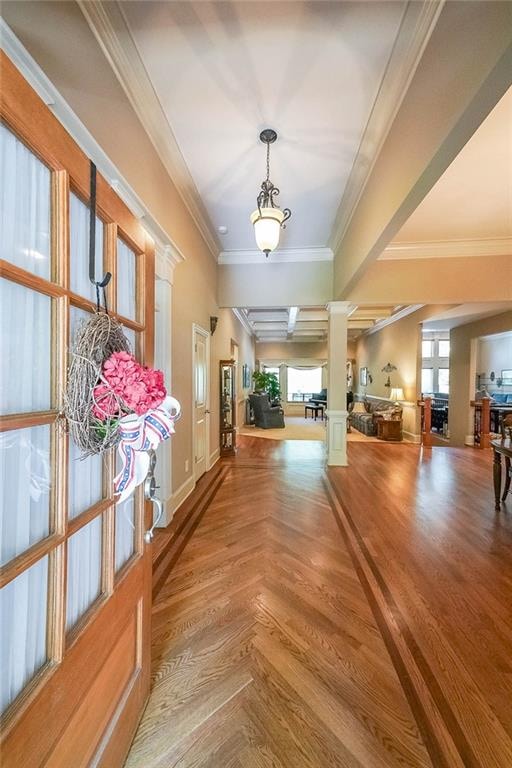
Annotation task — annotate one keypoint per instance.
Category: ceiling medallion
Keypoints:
(268, 218)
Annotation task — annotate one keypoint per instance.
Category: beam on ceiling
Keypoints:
(292, 319)
(480, 278)
(452, 92)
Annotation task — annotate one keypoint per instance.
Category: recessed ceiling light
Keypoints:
(223, 229)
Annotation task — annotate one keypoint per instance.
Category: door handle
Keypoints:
(148, 536)
(206, 410)
(150, 488)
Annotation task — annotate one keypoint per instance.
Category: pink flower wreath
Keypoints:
(126, 383)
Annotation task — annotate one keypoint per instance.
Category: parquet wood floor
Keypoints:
(295, 630)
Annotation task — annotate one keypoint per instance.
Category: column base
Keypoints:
(337, 438)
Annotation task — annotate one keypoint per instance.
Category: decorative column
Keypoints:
(337, 413)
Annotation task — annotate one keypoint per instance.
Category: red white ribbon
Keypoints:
(138, 435)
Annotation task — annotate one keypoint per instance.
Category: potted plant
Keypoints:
(269, 383)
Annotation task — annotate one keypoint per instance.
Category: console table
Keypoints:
(501, 448)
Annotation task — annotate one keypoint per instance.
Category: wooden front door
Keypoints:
(201, 422)
(75, 589)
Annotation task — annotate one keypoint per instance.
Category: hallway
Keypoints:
(268, 651)
(265, 651)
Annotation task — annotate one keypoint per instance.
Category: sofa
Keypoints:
(266, 416)
(364, 415)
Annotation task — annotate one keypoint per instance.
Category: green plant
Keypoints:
(267, 382)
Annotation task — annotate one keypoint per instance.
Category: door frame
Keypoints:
(196, 328)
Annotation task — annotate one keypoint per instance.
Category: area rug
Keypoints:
(298, 428)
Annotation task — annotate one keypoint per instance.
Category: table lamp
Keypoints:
(396, 395)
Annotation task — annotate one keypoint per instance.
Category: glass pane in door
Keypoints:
(125, 532)
(79, 248)
(25, 358)
(85, 480)
(23, 619)
(25, 481)
(125, 281)
(25, 195)
(84, 570)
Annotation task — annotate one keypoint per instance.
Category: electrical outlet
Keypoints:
(186, 465)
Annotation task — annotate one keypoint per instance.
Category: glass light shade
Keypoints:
(267, 227)
(396, 394)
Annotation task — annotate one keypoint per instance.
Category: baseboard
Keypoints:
(182, 493)
(411, 437)
(215, 456)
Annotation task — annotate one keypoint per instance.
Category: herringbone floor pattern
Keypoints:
(265, 650)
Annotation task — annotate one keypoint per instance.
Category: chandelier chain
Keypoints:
(268, 161)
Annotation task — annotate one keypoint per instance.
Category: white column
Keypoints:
(337, 383)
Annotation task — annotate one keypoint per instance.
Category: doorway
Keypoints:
(201, 386)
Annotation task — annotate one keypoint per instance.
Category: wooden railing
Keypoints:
(482, 422)
(426, 421)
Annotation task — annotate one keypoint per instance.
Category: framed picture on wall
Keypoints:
(507, 373)
(246, 376)
(363, 376)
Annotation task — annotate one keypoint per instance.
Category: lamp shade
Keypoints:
(267, 227)
(396, 394)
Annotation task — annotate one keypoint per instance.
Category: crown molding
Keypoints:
(46, 90)
(289, 255)
(167, 257)
(443, 249)
(242, 318)
(110, 27)
(380, 324)
(416, 27)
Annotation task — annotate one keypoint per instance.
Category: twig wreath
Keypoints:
(95, 341)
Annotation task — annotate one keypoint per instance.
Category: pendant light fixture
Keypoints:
(268, 218)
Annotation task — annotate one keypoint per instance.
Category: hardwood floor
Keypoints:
(358, 619)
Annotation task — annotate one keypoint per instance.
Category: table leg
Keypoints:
(507, 478)
(497, 479)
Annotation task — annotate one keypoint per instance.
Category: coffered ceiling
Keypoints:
(309, 324)
(206, 77)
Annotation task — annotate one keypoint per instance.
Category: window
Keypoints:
(427, 348)
(444, 348)
(427, 380)
(444, 380)
(268, 369)
(303, 383)
(435, 353)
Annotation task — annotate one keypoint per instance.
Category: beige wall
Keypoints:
(50, 31)
(399, 344)
(463, 363)
(291, 350)
(275, 284)
(494, 354)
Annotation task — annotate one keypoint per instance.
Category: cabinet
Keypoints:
(227, 407)
(389, 429)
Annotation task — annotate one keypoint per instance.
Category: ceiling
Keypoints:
(309, 324)
(473, 198)
(223, 71)
(465, 313)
